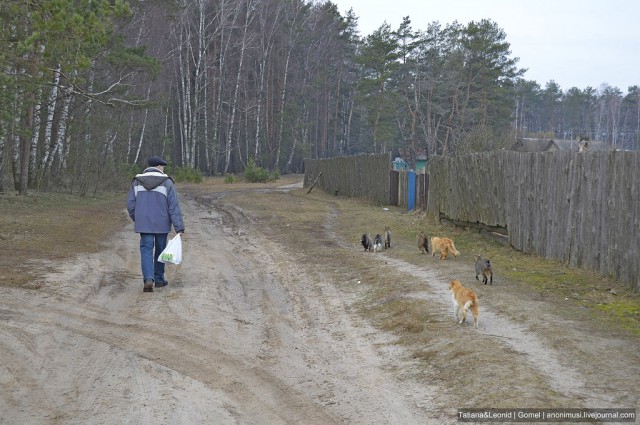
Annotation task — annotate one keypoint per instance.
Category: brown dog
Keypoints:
(483, 267)
(423, 242)
(445, 246)
(387, 237)
(464, 299)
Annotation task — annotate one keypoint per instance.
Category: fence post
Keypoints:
(411, 190)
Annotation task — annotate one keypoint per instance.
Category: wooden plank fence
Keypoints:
(580, 208)
(362, 176)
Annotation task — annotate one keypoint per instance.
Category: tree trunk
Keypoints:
(62, 131)
(49, 144)
(35, 137)
(294, 32)
(15, 160)
(234, 101)
(283, 96)
(25, 147)
(218, 101)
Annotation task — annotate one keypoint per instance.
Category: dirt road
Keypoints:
(244, 334)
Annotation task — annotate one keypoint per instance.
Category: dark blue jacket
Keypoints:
(152, 203)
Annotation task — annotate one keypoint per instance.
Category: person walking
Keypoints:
(153, 205)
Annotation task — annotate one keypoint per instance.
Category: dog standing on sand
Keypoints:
(483, 267)
(445, 246)
(464, 299)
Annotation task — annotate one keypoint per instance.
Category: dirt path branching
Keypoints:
(277, 315)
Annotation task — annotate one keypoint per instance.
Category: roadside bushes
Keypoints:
(254, 174)
(186, 174)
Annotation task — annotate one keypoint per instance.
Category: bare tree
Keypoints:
(49, 142)
(269, 22)
(250, 8)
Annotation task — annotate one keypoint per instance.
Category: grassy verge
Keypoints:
(53, 227)
(56, 226)
(549, 280)
(324, 232)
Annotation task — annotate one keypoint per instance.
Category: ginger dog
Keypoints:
(445, 246)
(464, 299)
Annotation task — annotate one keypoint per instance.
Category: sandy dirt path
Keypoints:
(240, 335)
(244, 334)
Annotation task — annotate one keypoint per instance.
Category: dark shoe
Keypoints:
(161, 284)
(148, 286)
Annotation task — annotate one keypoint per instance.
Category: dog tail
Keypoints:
(454, 251)
(467, 305)
(473, 304)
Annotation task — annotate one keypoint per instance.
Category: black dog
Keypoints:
(366, 242)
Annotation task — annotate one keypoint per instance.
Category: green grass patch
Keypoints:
(626, 312)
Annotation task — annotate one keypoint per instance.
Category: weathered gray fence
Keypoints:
(363, 176)
(579, 208)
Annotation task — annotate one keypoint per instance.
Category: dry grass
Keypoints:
(544, 279)
(52, 227)
(304, 221)
(323, 232)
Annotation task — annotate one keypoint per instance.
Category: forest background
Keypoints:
(90, 88)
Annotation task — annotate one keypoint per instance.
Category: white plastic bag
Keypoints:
(173, 252)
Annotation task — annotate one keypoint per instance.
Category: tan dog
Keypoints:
(387, 237)
(445, 246)
(464, 299)
(423, 244)
(483, 267)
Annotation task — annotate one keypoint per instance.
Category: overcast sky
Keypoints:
(576, 43)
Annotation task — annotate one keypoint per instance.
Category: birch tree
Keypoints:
(85, 27)
(295, 24)
(48, 142)
(269, 24)
(611, 105)
(188, 74)
(249, 12)
(224, 21)
(61, 136)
